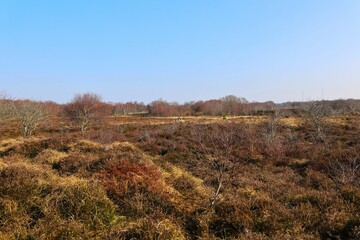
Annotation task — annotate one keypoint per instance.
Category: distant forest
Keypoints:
(227, 106)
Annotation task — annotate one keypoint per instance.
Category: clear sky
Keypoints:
(180, 50)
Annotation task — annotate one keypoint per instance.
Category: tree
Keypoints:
(271, 126)
(233, 104)
(84, 110)
(316, 113)
(30, 114)
(346, 169)
(4, 107)
(129, 108)
(219, 148)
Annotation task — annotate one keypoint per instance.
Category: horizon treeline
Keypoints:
(226, 106)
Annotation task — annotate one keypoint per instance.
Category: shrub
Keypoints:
(137, 188)
(36, 204)
(148, 229)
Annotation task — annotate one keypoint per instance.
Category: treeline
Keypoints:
(335, 106)
(227, 106)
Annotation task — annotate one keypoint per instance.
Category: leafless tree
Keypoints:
(84, 110)
(30, 114)
(316, 113)
(345, 170)
(271, 125)
(4, 107)
(232, 104)
(218, 145)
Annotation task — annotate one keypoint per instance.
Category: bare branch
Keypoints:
(345, 170)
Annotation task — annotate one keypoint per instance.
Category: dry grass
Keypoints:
(38, 204)
(150, 182)
(50, 156)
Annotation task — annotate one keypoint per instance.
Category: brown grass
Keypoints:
(149, 178)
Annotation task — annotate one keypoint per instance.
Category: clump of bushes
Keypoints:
(137, 188)
(36, 204)
(159, 183)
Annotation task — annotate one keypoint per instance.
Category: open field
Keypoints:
(244, 177)
(180, 120)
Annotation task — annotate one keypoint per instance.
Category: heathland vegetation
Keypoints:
(217, 169)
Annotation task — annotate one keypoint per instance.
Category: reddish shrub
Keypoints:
(137, 189)
(126, 177)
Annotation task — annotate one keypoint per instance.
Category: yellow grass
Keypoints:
(50, 156)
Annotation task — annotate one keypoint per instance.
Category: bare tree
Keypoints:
(232, 104)
(218, 145)
(271, 126)
(30, 114)
(4, 107)
(345, 170)
(84, 110)
(316, 113)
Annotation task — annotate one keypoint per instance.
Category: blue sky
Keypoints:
(180, 50)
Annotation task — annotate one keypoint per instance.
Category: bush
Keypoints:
(137, 188)
(148, 229)
(36, 204)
